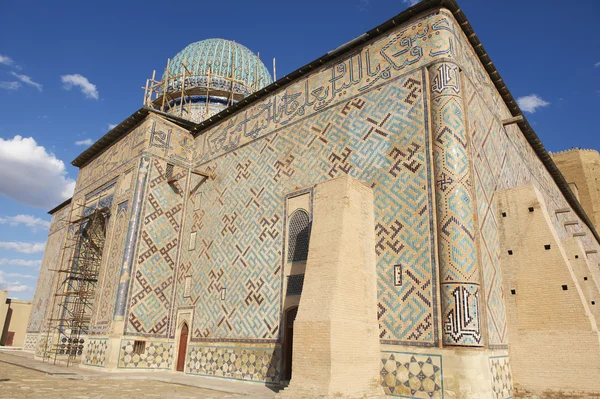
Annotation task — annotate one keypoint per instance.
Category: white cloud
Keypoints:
(27, 220)
(13, 286)
(531, 103)
(31, 175)
(111, 126)
(17, 275)
(6, 60)
(20, 262)
(411, 2)
(87, 142)
(24, 247)
(10, 85)
(87, 88)
(27, 80)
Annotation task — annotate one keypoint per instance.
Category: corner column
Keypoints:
(138, 196)
(455, 210)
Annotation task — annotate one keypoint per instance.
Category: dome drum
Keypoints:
(215, 84)
(215, 72)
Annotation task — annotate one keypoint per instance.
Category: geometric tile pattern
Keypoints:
(384, 60)
(252, 364)
(157, 251)
(43, 342)
(157, 355)
(378, 137)
(459, 272)
(501, 377)
(105, 304)
(488, 153)
(30, 341)
(412, 375)
(111, 163)
(170, 142)
(96, 352)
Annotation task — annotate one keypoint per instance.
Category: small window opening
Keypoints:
(547, 247)
(169, 171)
(139, 347)
(564, 287)
(187, 287)
(192, 244)
(298, 236)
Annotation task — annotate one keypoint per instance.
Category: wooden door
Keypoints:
(10, 338)
(183, 339)
(288, 344)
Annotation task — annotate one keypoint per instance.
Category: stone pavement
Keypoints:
(23, 377)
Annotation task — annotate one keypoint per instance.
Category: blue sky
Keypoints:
(69, 70)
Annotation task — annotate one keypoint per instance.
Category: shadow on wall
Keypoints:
(4, 336)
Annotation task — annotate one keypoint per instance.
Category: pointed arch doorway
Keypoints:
(183, 340)
(288, 343)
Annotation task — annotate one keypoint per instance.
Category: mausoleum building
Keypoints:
(381, 221)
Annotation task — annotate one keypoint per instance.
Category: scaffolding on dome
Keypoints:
(77, 278)
(174, 92)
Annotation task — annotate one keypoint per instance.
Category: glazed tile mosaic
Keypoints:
(157, 355)
(154, 274)
(412, 375)
(109, 282)
(378, 137)
(501, 377)
(96, 351)
(459, 272)
(30, 341)
(252, 364)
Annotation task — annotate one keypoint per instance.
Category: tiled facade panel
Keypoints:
(406, 49)
(502, 382)
(378, 137)
(106, 293)
(96, 352)
(412, 375)
(157, 355)
(169, 141)
(342, 119)
(456, 230)
(114, 160)
(52, 256)
(158, 243)
(251, 364)
(488, 152)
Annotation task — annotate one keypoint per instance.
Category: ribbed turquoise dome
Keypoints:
(220, 57)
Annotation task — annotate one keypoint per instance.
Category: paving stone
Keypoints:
(20, 382)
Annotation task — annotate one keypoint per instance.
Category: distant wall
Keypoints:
(582, 167)
(3, 312)
(18, 320)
